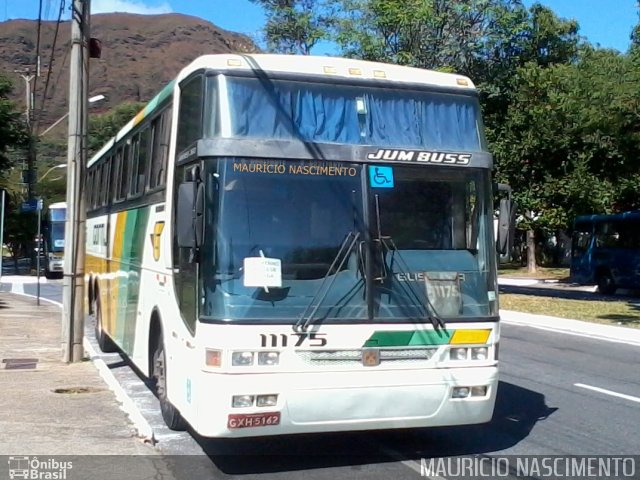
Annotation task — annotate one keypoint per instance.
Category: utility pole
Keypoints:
(73, 288)
(28, 94)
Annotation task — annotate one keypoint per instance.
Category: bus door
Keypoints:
(582, 269)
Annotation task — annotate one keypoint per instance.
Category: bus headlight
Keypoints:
(268, 358)
(242, 401)
(460, 392)
(479, 353)
(242, 359)
(458, 353)
(266, 400)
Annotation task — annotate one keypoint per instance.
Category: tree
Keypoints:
(294, 26)
(434, 34)
(103, 128)
(569, 143)
(14, 136)
(13, 129)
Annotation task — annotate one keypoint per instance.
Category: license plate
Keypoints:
(251, 420)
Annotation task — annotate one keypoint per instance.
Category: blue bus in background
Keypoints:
(606, 251)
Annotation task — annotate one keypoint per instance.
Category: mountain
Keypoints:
(140, 54)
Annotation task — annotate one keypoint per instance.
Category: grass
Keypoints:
(546, 273)
(624, 312)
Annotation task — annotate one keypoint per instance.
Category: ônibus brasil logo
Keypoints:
(33, 468)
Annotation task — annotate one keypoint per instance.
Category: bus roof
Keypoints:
(328, 67)
(632, 215)
(320, 66)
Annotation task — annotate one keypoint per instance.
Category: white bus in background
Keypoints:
(301, 244)
(54, 239)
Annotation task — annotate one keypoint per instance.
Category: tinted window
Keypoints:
(190, 117)
(161, 133)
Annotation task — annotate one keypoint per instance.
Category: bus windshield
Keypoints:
(297, 215)
(56, 237)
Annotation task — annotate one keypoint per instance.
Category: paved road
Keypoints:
(559, 395)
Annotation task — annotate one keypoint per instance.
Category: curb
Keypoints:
(127, 405)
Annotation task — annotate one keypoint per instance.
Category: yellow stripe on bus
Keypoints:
(469, 336)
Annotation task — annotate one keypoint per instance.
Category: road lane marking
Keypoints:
(608, 392)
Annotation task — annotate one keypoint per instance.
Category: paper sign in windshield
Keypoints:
(58, 243)
(262, 272)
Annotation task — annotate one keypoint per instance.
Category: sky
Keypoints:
(607, 23)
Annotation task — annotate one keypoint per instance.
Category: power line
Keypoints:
(51, 59)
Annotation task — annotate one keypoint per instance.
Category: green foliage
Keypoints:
(13, 130)
(569, 142)
(294, 26)
(103, 128)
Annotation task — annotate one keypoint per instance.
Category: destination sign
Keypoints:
(330, 169)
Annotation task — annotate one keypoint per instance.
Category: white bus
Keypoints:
(54, 239)
(292, 244)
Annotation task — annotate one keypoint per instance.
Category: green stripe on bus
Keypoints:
(404, 338)
(129, 292)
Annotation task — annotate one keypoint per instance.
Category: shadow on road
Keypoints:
(517, 411)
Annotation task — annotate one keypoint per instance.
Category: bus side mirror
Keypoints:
(198, 215)
(506, 219)
(504, 225)
(184, 215)
(190, 215)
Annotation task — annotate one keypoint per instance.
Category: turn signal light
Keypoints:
(213, 358)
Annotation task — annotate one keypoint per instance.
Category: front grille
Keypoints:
(354, 357)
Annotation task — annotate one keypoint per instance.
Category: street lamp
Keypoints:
(62, 165)
(94, 99)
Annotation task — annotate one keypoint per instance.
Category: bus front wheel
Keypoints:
(606, 284)
(170, 413)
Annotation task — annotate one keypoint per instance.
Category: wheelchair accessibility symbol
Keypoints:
(381, 177)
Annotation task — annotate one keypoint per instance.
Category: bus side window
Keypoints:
(124, 170)
(117, 176)
(133, 166)
(161, 133)
(88, 187)
(190, 115)
(144, 152)
(95, 191)
(106, 181)
(608, 235)
(581, 240)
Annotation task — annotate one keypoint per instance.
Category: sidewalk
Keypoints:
(577, 327)
(34, 419)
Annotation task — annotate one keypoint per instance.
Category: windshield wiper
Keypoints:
(349, 242)
(388, 243)
(429, 309)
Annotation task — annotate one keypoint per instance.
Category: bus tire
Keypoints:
(606, 285)
(170, 414)
(104, 341)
